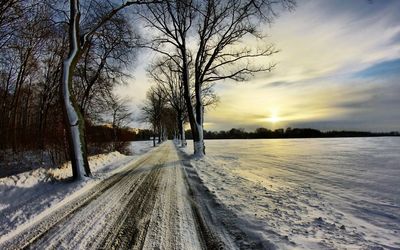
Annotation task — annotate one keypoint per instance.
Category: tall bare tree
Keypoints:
(168, 78)
(11, 11)
(209, 37)
(119, 114)
(34, 42)
(79, 41)
(19, 62)
(104, 63)
(153, 110)
(49, 80)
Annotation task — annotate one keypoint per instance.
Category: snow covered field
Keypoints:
(25, 196)
(309, 193)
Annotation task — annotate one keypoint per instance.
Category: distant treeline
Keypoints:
(105, 134)
(265, 133)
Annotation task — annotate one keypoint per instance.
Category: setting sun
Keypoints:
(273, 118)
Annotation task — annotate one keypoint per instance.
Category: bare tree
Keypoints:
(110, 51)
(34, 42)
(173, 21)
(119, 113)
(19, 62)
(153, 111)
(11, 12)
(32, 46)
(79, 41)
(216, 29)
(168, 78)
(48, 83)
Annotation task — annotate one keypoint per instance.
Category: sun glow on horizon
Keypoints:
(274, 118)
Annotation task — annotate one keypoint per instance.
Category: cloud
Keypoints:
(277, 84)
(337, 69)
(136, 87)
(338, 63)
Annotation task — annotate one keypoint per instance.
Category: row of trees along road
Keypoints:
(74, 52)
(165, 108)
(204, 42)
(53, 58)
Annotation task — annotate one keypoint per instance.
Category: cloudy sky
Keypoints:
(339, 68)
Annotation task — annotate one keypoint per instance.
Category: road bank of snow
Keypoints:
(26, 196)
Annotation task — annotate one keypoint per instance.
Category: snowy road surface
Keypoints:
(245, 194)
(143, 206)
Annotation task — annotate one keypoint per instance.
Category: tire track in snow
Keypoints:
(130, 228)
(133, 225)
(159, 216)
(145, 206)
(133, 188)
(40, 229)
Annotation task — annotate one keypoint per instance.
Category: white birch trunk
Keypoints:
(199, 145)
(74, 120)
(199, 148)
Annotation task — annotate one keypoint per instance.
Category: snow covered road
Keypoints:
(143, 206)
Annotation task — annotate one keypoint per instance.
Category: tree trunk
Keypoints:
(199, 147)
(15, 102)
(183, 136)
(154, 136)
(75, 124)
(179, 134)
(181, 131)
(159, 134)
(197, 133)
(114, 127)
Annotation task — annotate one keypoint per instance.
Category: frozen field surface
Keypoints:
(309, 193)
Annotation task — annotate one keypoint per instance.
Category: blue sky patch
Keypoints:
(384, 69)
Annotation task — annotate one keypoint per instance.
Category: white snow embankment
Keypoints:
(23, 197)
